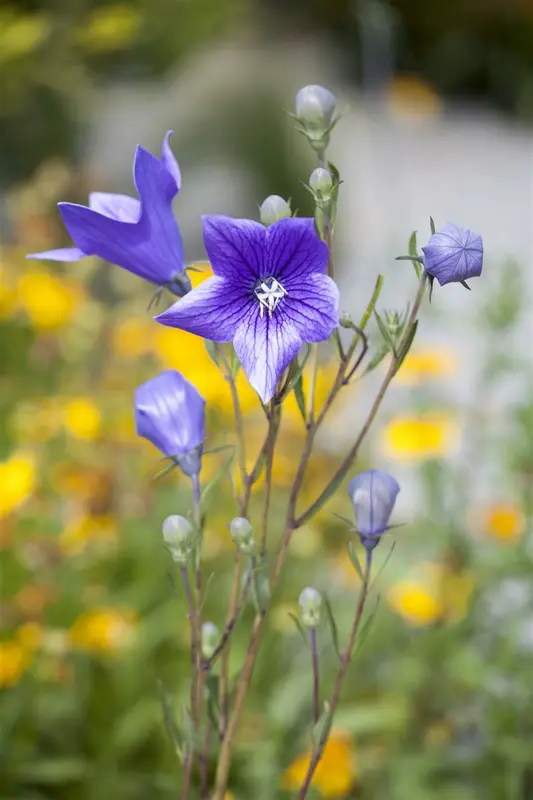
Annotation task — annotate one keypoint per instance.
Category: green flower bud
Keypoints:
(310, 602)
(178, 534)
(321, 182)
(345, 320)
(315, 106)
(210, 639)
(273, 209)
(242, 534)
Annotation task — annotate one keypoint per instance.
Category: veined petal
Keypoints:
(294, 251)
(235, 248)
(266, 345)
(116, 206)
(62, 254)
(169, 161)
(213, 310)
(373, 495)
(454, 254)
(312, 307)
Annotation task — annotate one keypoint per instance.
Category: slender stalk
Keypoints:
(208, 663)
(187, 775)
(312, 385)
(316, 675)
(343, 667)
(195, 642)
(273, 426)
(204, 762)
(237, 413)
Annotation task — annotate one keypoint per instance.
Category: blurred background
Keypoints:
(437, 102)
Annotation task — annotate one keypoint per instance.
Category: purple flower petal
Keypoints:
(169, 161)
(213, 310)
(62, 254)
(373, 494)
(169, 412)
(116, 206)
(295, 251)
(152, 247)
(312, 307)
(453, 254)
(265, 346)
(235, 248)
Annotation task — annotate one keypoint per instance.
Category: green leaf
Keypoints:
(258, 470)
(373, 300)
(383, 329)
(299, 625)
(413, 251)
(432, 226)
(190, 734)
(165, 471)
(367, 626)
(407, 345)
(332, 624)
(299, 395)
(382, 567)
(320, 730)
(212, 351)
(348, 522)
(376, 359)
(354, 559)
(211, 688)
(217, 477)
(219, 449)
(169, 718)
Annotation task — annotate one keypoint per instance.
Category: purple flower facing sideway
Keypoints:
(268, 295)
(373, 494)
(169, 412)
(453, 254)
(140, 235)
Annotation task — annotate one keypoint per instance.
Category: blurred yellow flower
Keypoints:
(104, 630)
(110, 27)
(440, 593)
(17, 481)
(20, 33)
(336, 772)
(36, 422)
(414, 438)
(49, 302)
(504, 521)
(133, 338)
(82, 419)
(14, 661)
(30, 635)
(426, 365)
(7, 292)
(85, 530)
(409, 97)
(280, 617)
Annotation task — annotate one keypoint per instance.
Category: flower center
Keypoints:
(269, 293)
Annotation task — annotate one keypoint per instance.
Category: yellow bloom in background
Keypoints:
(409, 97)
(133, 337)
(104, 630)
(82, 419)
(418, 438)
(7, 292)
(438, 594)
(85, 530)
(49, 302)
(36, 422)
(426, 365)
(109, 28)
(14, 661)
(17, 481)
(30, 635)
(336, 772)
(504, 521)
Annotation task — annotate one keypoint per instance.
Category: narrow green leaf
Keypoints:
(407, 345)
(219, 449)
(299, 625)
(169, 718)
(332, 624)
(381, 569)
(348, 522)
(413, 251)
(376, 359)
(367, 626)
(211, 689)
(190, 734)
(165, 471)
(432, 226)
(299, 395)
(373, 300)
(295, 371)
(212, 351)
(217, 477)
(385, 333)
(206, 590)
(354, 559)
(320, 730)
(258, 469)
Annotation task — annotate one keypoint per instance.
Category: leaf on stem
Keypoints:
(365, 630)
(212, 682)
(320, 730)
(407, 346)
(299, 395)
(169, 718)
(218, 476)
(354, 559)
(376, 359)
(332, 624)
(212, 352)
(299, 625)
(413, 251)
(383, 329)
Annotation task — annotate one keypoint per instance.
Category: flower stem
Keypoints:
(312, 385)
(195, 643)
(273, 427)
(344, 664)
(316, 676)
(237, 413)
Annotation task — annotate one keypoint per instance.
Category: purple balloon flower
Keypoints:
(169, 412)
(453, 254)
(142, 235)
(269, 294)
(373, 494)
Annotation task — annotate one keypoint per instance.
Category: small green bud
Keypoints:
(394, 322)
(210, 639)
(345, 320)
(321, 182)
(310, 602)
(242, 534)
(315, 106)
(273, 209)
(178, 534)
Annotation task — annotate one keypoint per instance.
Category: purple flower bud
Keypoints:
(169, 412)
(274, 208)
(453, 254)
(314, 107)
(373, 494)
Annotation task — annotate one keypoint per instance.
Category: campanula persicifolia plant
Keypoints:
(272, 299)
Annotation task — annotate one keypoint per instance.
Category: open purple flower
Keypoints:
(269, 294)
(373, 494)
(169, 412)
(453, 254)
(141, 235)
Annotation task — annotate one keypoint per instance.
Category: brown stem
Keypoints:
(195, 643)
(273, 427)
(187, 775)
(208, 662)
(337, 688)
